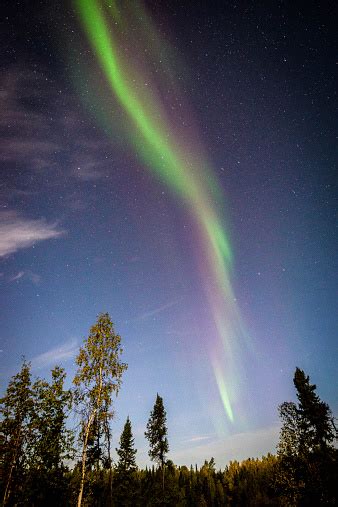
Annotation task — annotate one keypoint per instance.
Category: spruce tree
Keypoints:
(307, 457)
(125, 478)
(126, 451)
(157, 433)
(315, 415)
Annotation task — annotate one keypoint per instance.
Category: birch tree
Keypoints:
(97, 380)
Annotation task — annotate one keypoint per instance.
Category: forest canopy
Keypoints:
(46, 462)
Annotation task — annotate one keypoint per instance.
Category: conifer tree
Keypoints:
(157, 433)
(307, 458)
(315, 415)
(126, 481)
(126, 451)
(98, 378)
(308, 426)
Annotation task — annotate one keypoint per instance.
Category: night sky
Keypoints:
(173, 164)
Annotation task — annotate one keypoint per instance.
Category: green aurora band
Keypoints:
(187, 175)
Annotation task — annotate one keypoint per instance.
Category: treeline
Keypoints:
(45, 463)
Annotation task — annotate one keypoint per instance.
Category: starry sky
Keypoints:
(172, 163)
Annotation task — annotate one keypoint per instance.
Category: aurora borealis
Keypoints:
(172, 163)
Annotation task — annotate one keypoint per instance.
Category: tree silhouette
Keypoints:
(126, 451)
(126, 467)
(157, 435)
(307, 457)
(315, 415)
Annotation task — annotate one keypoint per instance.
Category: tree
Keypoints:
(15, 430)
(126, 467)
(126, 451)
(52, 443)
(315, 415)
(307, 458)
(51, 404)
(98, 377)
(157, 434)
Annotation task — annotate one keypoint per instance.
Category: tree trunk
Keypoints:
(163, 480)
(110, 477)
(8, 483)
(9, 479)
(84, 455)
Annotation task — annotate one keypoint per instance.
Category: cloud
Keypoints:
(24, 124)
(89, 165)
(235, 447)
(17, 232)
(56, 355)
(157, 310)
(42, 124)
(197, 448)
(17, 276)
(27, 274)
(20, 149)
(198, 438)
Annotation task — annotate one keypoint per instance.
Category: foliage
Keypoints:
(157, 433)
(126, 451)
(315, 415)
(51, 404)
(35, 440)
(307, 458)
(16, 433)
(52, 440)
(98, 377)
(125, 478)
(36, 444)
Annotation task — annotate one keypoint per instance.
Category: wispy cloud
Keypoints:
(28, 275)
(17, 232)
(25, 127)
(23, 149)
(157, 310)
(56, 355)
(34, 135)
(17, 276)
(198, 438)
(89, 165)
(235, 447)
(197, 448)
